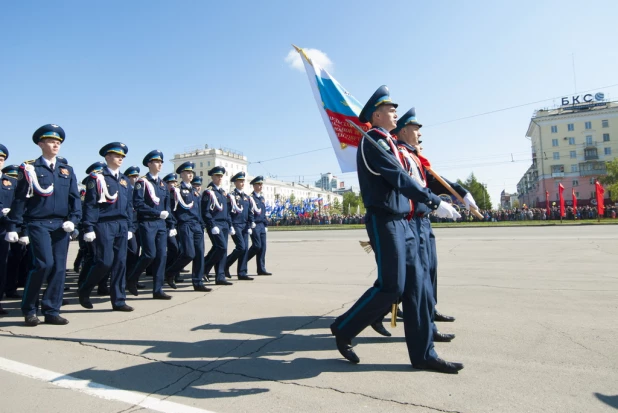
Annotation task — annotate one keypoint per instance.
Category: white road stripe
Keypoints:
(96, 389)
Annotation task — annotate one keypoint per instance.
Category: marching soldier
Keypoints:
(242, 220)
(190, 226)
(7, 190)
(152, 203)
(387, 190)
(47, 203)
(260, 227)
(108, 222)
(171, 180)
(218, 223)
(133, 246)
(196, 183)
(16, 259)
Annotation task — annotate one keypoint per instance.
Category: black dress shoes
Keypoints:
(245, 278)
(345, 348)
(442, 338)
(227, 272)
(440, 365)
(178, 279)
(126, 308)
(132, 287)
(264, 273)
(202, 288)
(399, 313)
(84, 301)
(140, 286)
(379, 328)
(183, 270)
(170, 282)
(103, 291)
(444, 318)
(223, 282)
(56, 320)
(161, 296)
(32, 320)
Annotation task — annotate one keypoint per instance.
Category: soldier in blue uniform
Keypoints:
(47, 203)
(259, 226)
(133, 246)
(108, 222)
(17, 251)
(216, 216)
(387, 189)
(242, 220)
(7, 190)
(196, 183)
(152, 203)
(190, 226)
(171, 180)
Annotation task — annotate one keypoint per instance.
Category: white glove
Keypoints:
(249, 231)
(5, 211)
(129, 235)
(215, 231)
(90, 236)
(232, 231)
(68, 226)
(265, 229)
(164, 215)
(445, 210)
(11, 237)
(173, 232)
(469, 201)
(24, 240)
(253, 225)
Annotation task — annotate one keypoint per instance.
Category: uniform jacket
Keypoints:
(111, 210)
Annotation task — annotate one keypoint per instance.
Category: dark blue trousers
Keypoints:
(17, 267)
(49, 245)
(190, 249)
(396, 253)
(258, 247)
(4, 256)
(132, 252)
(153, 242)
(240, 239)
(217, 256)
(110, 258)
(172, 251)
(428, 252)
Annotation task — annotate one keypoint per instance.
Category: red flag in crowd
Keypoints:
(560, 192)
(600, 191)
(547, 204)
(574, 198)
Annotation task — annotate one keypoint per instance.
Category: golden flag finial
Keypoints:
(302, 52)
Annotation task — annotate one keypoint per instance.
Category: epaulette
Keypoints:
(30, 161)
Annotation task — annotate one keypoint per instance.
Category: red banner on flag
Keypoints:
(547, 204)
(561, 194)
(574, 200)
(600, 191)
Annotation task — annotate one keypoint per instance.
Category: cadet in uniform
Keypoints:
(7, 190)
(387, 189)
(108, 222)
(47, 203)
(171, 180)
(260, 227)
(190, 226)
(152, 203)
(17, 264)
(218, 223)
(242, 220)
(132, 172)
(196, 183)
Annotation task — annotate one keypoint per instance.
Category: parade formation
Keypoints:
(126, 224)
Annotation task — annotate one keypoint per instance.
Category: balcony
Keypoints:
(592, 169)
(591, 154)
(557, 174)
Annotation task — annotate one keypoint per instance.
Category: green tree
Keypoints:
(610, 181)
(336, 206)
(478, 191)
(292, 199)
(350, 202)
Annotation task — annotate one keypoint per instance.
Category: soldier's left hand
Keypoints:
(24, 240)
(68, 226)
(5, 211)
(470, 202)
(265, 229)
(173, 232)
(232, 231)
(129, 235)
(249, 231)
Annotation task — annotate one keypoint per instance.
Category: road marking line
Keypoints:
(96, 389)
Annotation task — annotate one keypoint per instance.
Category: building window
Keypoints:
(201, 164)
(589, 140)
(577, 195)
(574, 168)
(554, 142)
(588, 125)
(571, 141)
(556, 155)
(607, 151)
(605, 123)
(571, 127)
(575, 182)
(554, 129)
(606, 137)
(209, 163)
(572, 155)
(592, 180)
(201, 173)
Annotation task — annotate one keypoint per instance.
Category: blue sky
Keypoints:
(176, 74)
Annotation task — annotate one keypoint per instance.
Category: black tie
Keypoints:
(51, 165)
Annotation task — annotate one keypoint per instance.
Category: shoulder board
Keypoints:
(30, 161)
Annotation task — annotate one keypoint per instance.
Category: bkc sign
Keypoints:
(587, 98)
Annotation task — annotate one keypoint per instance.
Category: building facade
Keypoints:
(570, 145)
(508, 201)
(328, 182)
(233, 162)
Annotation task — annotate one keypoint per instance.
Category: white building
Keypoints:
(327, 182)
(234, 162)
